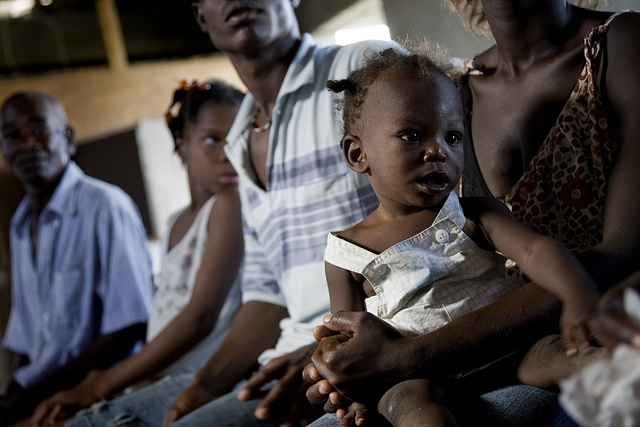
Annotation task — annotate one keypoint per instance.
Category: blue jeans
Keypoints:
(226, 411)
(147, 406)
(143, 407)
(515, 406)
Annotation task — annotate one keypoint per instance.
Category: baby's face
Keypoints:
(411, 132)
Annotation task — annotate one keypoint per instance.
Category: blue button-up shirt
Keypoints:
(90, 273)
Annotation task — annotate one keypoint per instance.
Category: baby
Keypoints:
(424, 257)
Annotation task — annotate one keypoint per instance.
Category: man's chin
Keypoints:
(34, 181)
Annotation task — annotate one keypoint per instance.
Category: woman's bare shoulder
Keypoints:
(624, 29)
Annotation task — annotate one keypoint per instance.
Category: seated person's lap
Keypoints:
(228, 411)
(514, 406)
(145, 406)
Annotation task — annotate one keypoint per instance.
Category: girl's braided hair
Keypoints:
(189, 97)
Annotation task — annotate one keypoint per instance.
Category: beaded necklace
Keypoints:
(254, 125)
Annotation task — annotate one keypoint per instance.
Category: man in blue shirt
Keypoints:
(81, 273)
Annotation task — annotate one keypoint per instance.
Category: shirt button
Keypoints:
(442, 236)
(380, 269)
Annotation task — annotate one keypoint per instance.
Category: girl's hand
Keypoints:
(195, 396)
(66, 403)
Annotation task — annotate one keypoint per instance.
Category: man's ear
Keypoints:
(353, 153)
(70, 134)
(295, 3)
(196, 9)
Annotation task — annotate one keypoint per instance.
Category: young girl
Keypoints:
(423, 257)
(197, 288)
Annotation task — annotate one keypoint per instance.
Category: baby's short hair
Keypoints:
(355, 86)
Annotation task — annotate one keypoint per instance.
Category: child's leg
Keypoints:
(415, 403)
(546, 363)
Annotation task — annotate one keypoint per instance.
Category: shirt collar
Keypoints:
(64, 198)
(300, 72)
(302, 69)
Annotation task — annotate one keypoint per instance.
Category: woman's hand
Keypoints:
(365, 356)
(321, 391)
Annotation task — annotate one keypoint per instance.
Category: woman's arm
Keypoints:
(618, 254)
(377, 352)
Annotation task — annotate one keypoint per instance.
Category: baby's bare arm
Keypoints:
(345, 292)
(546, 262)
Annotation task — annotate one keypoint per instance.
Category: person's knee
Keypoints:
(103, 414)
(395, 400)
(546, 363)
(537, 367)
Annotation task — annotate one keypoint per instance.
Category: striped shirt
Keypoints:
(310, 191)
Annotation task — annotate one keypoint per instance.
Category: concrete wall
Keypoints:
(99, 101)
(432, 19)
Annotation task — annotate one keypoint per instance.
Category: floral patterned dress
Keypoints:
(562, 191)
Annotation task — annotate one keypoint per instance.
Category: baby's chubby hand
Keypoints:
(579, 327)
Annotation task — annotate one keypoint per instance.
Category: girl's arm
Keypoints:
(220, 264)
(217, 272)
(545, 261)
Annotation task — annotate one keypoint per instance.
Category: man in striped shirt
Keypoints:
(295, 189)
